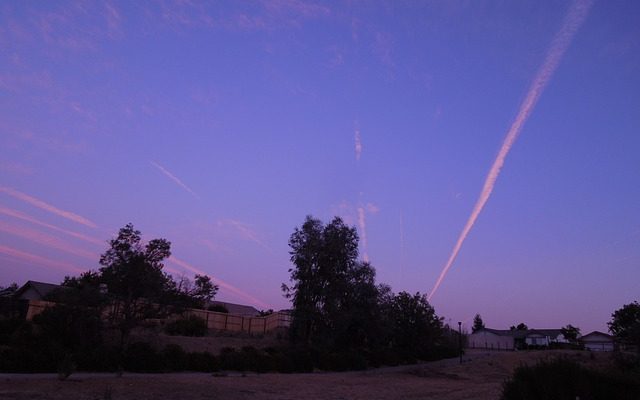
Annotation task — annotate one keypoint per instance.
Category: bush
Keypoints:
(141, 357)
(190, 326)
(202, 362)
(564, 379)
(175, 358)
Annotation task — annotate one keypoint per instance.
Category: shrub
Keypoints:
(141, 357)
(564, 379)
(190, 326)
(202, 362)
(175, 358)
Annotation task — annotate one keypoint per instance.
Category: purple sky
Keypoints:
(221, 125)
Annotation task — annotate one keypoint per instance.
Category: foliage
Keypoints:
(415, 326)
(625, 324)
(521, 327)
(570, 333)
(564, 379)
(333, 294)
(477, 323)
(189, 326)
(8, 291)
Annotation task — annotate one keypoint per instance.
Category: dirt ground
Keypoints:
(479, 377)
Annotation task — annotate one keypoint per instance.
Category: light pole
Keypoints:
(460, 339)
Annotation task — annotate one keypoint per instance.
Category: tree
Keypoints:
(136, 284)
(521, 327)
(625, 324)
(416, 327)
(570, 333)
(8, 291)
(334, 295)
(477, 323)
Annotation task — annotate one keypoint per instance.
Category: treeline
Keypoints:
(342, 319)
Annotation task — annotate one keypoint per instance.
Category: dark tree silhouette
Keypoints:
(570, 332)
(625, 324)
(334, 295)
(477, 323)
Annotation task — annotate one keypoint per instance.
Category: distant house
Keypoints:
(237, 309)
(506, 339)
(492, 339)
(33, 290)
(598, 341)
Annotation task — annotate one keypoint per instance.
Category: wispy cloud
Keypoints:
(47, 207)
(46, 240)
(245, 231)
(358, 144)
(574, 18)
(362, 224)
(221, 283)
(174, 179)
(25, 217)
(15, 168)
(40, 261)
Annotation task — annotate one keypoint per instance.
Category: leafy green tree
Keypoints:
(625, 324)
(334, 295)
(477, 323)
(570, 333)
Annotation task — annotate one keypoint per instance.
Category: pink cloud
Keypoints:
(28, 218)
(46, 240)
(47, 207)
(37, 260)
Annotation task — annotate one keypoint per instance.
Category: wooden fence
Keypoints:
(214, 320)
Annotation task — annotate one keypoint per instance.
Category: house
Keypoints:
(237, 309)
(492, 339)
(33, 290)
(503, 339)
(598, 341)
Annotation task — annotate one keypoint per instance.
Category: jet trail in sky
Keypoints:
(574, 18)
(25, 217)
(24, 256)
(220, 283)
(47, 207)
(174, 179)
(363, 232)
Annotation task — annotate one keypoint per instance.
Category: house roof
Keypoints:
(238, 309)
(521, 334)
(594, 334)
(42, 288)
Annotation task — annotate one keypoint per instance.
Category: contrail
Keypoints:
(45, 240)
(220, 283)
(47, 207)
(174, 179)
(358, 143)
(25, 217)
(574, 18)
(37, 259)
(363, 232)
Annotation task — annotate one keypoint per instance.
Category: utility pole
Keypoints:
(460, 339)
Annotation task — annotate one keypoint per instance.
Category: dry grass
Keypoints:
(479, 377)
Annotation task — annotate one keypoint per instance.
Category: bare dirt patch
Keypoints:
(479, 377)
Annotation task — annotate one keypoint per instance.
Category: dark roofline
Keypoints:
(597, 333)
(37, 286)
